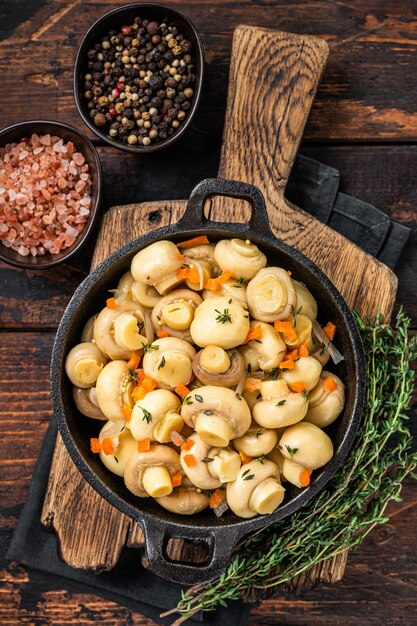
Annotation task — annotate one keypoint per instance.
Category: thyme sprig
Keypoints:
(354, 502)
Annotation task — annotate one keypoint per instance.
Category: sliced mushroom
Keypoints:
(305, 300)
(215, 366)
(306, 369)
(256, 441)
(156, 416)
(219, 321)
(271, 294)
(84, 363)
(149, 473)
(87, 334)
(224, 464)
(157, 265)
(240, 257)
(324, 407)
(256, 489)
(232, 288)
(270, 348)
(279, 406)
(117, 331)
(169, 362)
(175, 312)
(113, 390)
(124, 447)
(198, 471)
(86, 402)
(307, 445)
(218, 414)
(185, 501)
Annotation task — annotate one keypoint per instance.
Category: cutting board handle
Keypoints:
(272, 82)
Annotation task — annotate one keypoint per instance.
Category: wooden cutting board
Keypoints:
(272, 83)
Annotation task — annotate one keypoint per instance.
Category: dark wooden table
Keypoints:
(364, 122)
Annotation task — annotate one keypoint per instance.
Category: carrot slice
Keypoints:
(330, 330)
(176, 438)
(127, 412)
(187, 444)
(245, 458)
(148, 383)
(305, 477)
(111, 303)
(144, 445)
(139, 393)
(253, 333)
(133, 362)
(287, 365)
(330, 384)
(299, 387)
(193, 275)
(286, 328)
(183, 273)
(182, 390)
(216, 499)
(195, 241)
(162, 333)
(214, 284)
(293, 355)
(189, 460)
(107, 446)
(303, 350)
(176, 479)
(252, 384)
(95, 445)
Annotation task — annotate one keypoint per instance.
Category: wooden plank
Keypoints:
(355, 101)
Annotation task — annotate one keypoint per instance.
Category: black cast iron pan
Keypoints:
(221, 534)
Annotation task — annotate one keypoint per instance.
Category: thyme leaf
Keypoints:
(146, 415)
(291, 451)
(224, 317)
(161, 363)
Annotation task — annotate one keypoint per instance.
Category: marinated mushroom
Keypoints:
(122, 447)
(306, 370)
(156, 416)
(270, 347)
(185, 501)
(87, 334)
(326, 400)
(256, 442)
(295, 473)
(231, 288)
(84, 363)
(224, 464)
(305, 300)
(175, 312)
(157, 265)
(217, 414)
(271, 294)
(307, 445)
(219, 321)
(250, 358)
(86, 402)
(279, 406)
(122, 330)
(303, 329)
(149, 473)
(239, 257)
(168, 361)
(257, 489)
(194, 464)
(215, 366)
(113, 391)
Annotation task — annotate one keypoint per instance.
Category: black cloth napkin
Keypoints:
(128, 584)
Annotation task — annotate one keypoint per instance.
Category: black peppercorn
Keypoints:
(155, 82)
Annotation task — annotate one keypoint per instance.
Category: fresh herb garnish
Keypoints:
(281, 403)
(291, 451)
(304, 393)
(258, 340)
(224, 317)
(239, 282)
(146, 415)
(161, 363)
(207, 459)
(232, 355)
(230, 301)
(187, 400)
(294, 314)
(261, 459)
(249, 477)
(208, 412)
(249, 368)
(116, 459)
(273, 374)
(245, 473)
(149, 347)
(259, 433)
(132, 376)
(198, 398)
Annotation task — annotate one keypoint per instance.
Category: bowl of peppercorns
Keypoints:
(138, 76)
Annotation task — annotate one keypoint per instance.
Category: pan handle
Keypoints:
(221, 542)
(194, 218)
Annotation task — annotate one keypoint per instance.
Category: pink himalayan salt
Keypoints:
(36, 215)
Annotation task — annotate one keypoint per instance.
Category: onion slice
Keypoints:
(222, 508)
(335, 355)
(239, 389)
(149, 334)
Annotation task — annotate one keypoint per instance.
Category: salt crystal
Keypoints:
(2, 191)
(72, 232)
(23, 250)
(33, 251)
(85, 201)
(84, 211)
(23, 155)
(12, 195)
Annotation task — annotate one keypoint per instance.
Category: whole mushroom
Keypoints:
(215, 366)
(305, 300)
(240, 257)
(84, 363)
(87, 333)
(271, 294)
(256, 490)
(86, 402)
(220, 321)
(156, 416)
(224, 464)
(145, 295)
(149, 473)
(270, 348)
(279, 406)
(295, 473)
(256, 442)
(194, 464)
(113, 390)
(217, 414)
(175, 312)
(120, 331)
(325, 406)
(157, 265)
(307, 445)
(185, 501)
(124, 446)
(231, 288)
(168, 361)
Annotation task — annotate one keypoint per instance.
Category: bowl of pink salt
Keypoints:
(50, 192)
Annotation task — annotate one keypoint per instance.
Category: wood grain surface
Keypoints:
(363, 122)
